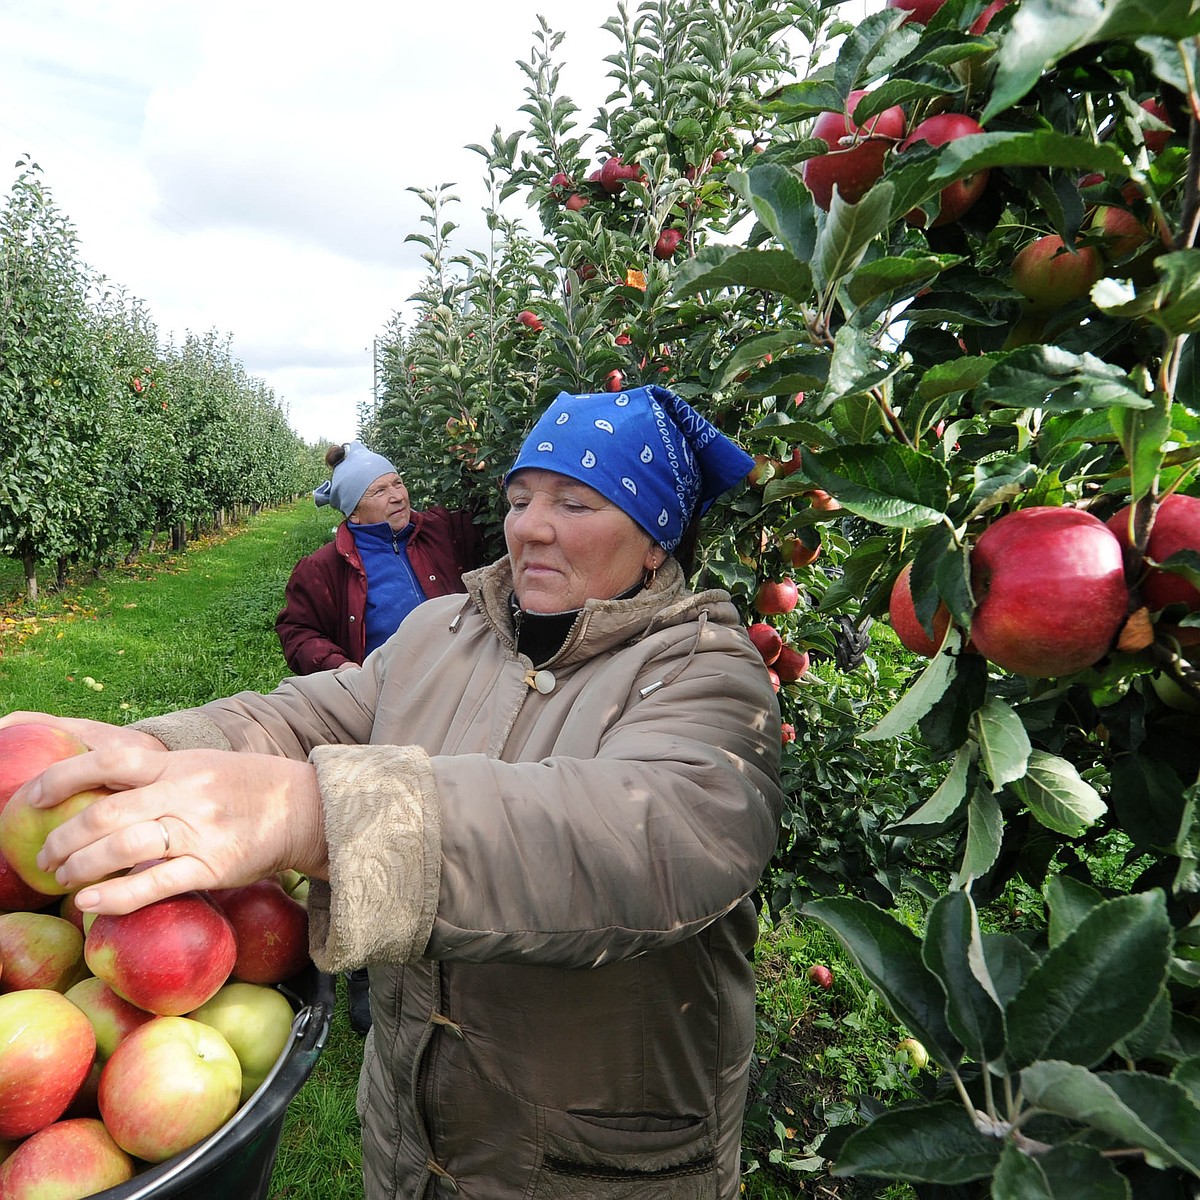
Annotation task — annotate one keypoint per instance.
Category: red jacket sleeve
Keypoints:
(312, 625)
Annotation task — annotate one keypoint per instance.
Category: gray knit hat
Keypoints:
(351, 477)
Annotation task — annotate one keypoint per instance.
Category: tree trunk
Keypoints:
(135, 548)
(60, 577)
(178, 536)
(31, 588)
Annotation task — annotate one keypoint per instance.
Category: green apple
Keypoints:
(112, 1017)
(23, 833)
(256, 1020)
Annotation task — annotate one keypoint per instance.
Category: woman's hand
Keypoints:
(202, 818)
(96, 735)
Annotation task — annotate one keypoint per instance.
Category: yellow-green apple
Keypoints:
(792, 664)
(776, 596)
(256, 1021)
(1049, 274)
(67, 1159)
(916, 1054)
(270, 929)
(113, 1018)
(767, 640)
(46, 1050)
(39, 950)
(855, 156)
(24, 829)
(168, 957)
(905, 623)
(956, 198)
(1049, 589)
(170, 1083)
(1176, 527)
(25, 751)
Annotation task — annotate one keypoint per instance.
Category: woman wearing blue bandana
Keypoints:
(538, 812)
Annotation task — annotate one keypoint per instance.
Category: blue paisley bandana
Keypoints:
(646, 450)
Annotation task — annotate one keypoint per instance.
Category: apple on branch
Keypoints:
(776, 596)
(905, 623)
(1176, 527)
(855, 157)
(1049, 588)
(767, 641)
(956, 198)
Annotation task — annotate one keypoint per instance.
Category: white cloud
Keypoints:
(244, 168)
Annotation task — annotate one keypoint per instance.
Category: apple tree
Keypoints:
(1026, 365)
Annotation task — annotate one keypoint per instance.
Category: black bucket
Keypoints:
(235, 1162)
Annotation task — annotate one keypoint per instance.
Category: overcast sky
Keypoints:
(242, 165)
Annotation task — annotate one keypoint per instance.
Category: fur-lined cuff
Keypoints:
(186, 730)
(383, 829)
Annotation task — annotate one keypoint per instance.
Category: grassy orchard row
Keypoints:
(125, 1040)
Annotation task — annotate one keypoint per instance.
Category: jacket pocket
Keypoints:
(625, 1156)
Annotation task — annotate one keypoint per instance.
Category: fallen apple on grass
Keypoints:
(821, 975)
(170, 1083)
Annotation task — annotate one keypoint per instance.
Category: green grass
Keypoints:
(177, 630)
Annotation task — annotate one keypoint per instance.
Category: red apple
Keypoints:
(112, 1018)
(67, 1159)
(787, 733)
(767, 641)
(529, 319)
(821, 975)
(853, 165)
(270, 929)
(575, 201)
(764, 470)
(27, 750)
(168, 957)
(69, 910)
(23, 832)
(822, 501)
(776, 596)
(1176, 527)
(960, 195)
(668, 243)
(38, 950)
(614, 381)
(981, 22)
(560, 179)
(46, 1050)
(1049, 588)
(614, 174)
(792, 664)
(1156, 139)
(907, 627)
(798, 552)
(1121, 231)
(1050, 276)
(170, 1083)
(918, 10)
(775, 682)
(256, 1021)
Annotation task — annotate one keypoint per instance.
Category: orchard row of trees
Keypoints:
(923, 331)
(111, 436)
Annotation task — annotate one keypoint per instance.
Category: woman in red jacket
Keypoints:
(349, 597)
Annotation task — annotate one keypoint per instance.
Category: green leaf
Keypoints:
(1053, 379)
(1060, 1173)
(944, 805)
(957, 375)
(891, 485)
(1057, 796)
(1137, 1109)
(1043, 32)
(1069, 901)
(985, 835)
(999, 480)
(847, 232)
(917, 701)
(1009, 963)
(1172, 303)
(888, 953)
(952, 950)
(1187, 1075)
(927, 1143)
(717, 267)
(1096, 986)
(895, 276)
(783, 204)
(1003, 743)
